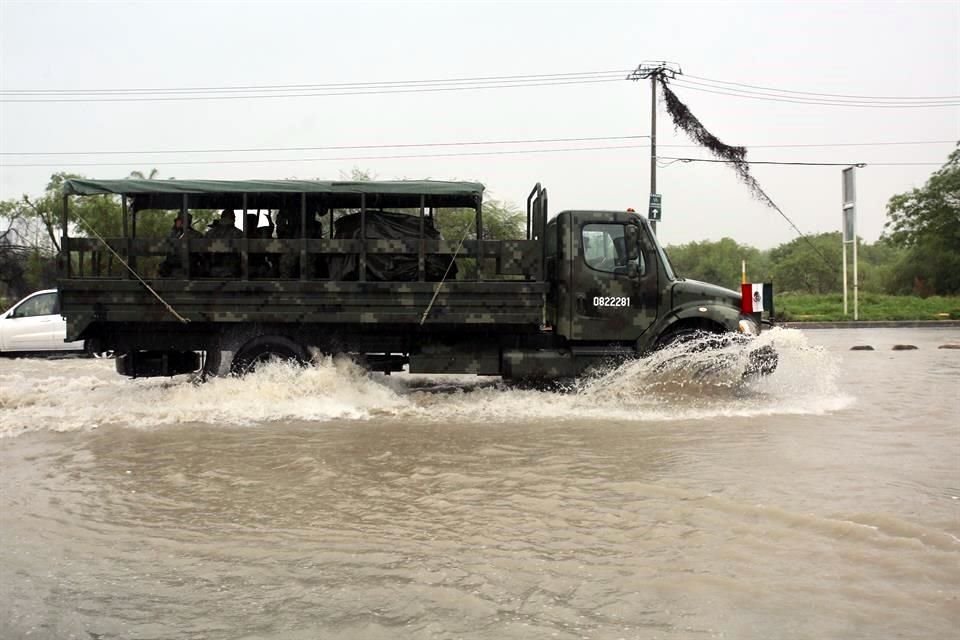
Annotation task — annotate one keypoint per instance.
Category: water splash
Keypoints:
(677, 383)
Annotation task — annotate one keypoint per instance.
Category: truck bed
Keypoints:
(84, 301)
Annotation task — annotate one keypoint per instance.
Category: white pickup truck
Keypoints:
(34, 325)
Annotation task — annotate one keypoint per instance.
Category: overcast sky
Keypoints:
(875, 49)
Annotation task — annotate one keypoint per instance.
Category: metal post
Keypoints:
(64, 240)
(304, 262)
(421, 258)
(856, 285)
(363, 237)
(133, 232)
(545, 211)
(185, 238)
(653, 141)
(843, 246)
(479, 206)
(244, 245)
(656, 71)
(849, 233)
(126, 238)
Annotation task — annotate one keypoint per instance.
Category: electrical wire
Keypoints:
(810, 93)
(381, 157)
(454, 144)
(349, 92)
(455, 155)
(803, 164)
(807, 98)
(326, 148)
(336, 85)
(734, 93)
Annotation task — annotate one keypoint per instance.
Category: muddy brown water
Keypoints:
(665, 499)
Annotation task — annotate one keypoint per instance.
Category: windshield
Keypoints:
(664, 258)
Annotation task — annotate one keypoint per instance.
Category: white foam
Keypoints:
(677, 384)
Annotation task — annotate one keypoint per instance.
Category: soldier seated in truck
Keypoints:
(260, 263)
(172, 267)
(287, 264)
(224, 265)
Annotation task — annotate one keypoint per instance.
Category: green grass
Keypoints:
(804, 307)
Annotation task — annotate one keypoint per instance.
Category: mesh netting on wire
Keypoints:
(684, 119)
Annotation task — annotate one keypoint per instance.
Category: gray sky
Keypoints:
(848, 48)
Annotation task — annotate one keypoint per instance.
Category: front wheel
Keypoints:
(699, 339)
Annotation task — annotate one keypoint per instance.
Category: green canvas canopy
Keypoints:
(168, 194)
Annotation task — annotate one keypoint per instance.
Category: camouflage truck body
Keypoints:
(585, 287)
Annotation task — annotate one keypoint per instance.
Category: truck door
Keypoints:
(614, 279)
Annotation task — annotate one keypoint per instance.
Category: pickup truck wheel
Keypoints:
(265, 349)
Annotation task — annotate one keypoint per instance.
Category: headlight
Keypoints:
(748, 327)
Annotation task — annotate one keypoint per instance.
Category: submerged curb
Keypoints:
(873, 324)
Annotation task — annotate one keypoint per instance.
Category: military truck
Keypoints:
(360, 268)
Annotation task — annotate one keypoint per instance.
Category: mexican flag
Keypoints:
(756, 297)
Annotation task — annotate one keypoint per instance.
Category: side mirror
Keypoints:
(633, 270)
(632, 233)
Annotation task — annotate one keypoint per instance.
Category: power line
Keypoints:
(834, 144)
(274, 160)
(452, 155)
(803, 164)
(328, 148)
(325, 94)
(827, 95)
(827, 103)
(451, 144)
(336, 85)
(808, 98)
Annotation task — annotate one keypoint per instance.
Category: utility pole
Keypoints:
(655, 70)
(653, 143)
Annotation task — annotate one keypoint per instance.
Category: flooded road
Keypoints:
(664, 499)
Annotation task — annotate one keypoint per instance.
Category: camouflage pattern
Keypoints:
(480, 359)
(535, 309)
(699, 305)
(277, 301)
(578, 318)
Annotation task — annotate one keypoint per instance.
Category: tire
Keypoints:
(263, 349)
(90, 348)
(687, 334)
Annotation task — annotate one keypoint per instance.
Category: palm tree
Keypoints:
(139, 174)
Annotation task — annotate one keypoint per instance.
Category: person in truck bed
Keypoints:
(224, 265)
(172, 266)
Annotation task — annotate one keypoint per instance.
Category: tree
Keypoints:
(14, 239)
(501, 221)
(150, 176)
(718, 262)
(926, 223)
(810, 264)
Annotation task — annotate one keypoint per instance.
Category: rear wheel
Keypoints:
(265, 349)
(91, 347)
